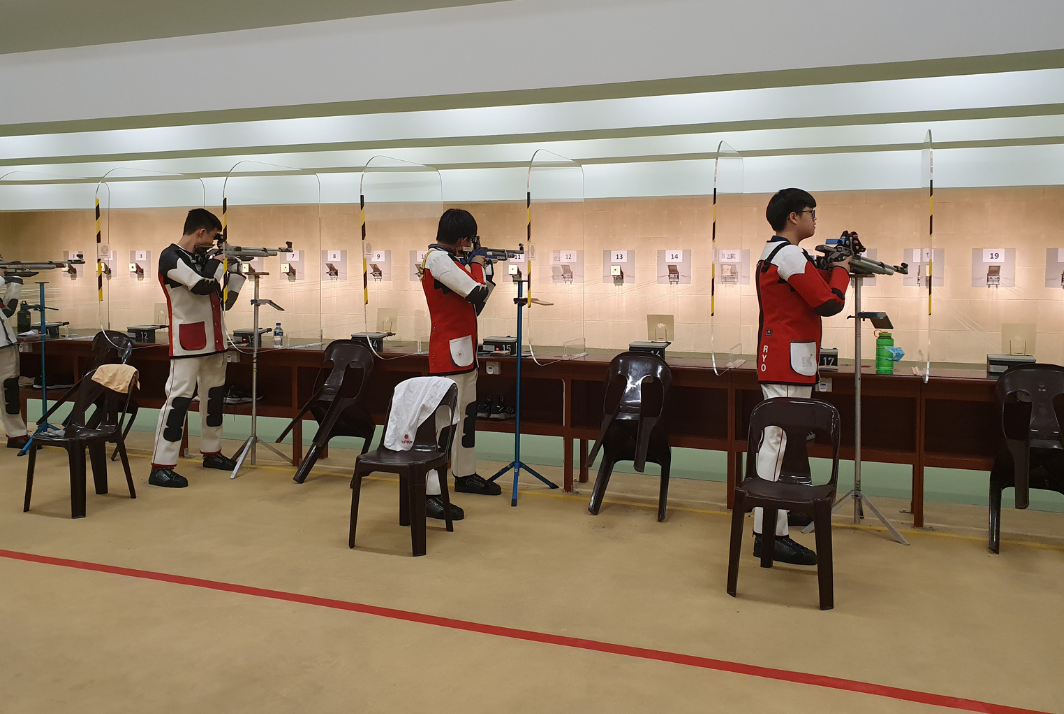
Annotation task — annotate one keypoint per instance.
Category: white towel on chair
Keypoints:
(414, 401)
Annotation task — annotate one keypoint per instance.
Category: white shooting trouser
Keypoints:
(463, 453)
(12, 411)
(773, 444)
(185, 372)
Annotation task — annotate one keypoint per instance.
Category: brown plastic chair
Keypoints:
(637, 384)
(1033, 457)
(108, 347)
(797, 417)
(111, 408)
(339, 405)
(428, 452)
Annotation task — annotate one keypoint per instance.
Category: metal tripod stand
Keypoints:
(857, 495)
(517, 464)
(250, 446)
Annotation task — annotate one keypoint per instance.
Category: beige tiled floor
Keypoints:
(941, 616)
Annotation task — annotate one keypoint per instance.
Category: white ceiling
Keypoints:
(794, 126)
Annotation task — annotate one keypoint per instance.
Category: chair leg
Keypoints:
(824, 564)
(663, 493)
(418, 526)
(120, 447)
(356, 489)
(133, 409)
(995, 517)
(76, 461)
(404, 501)
(29, 477)
(98, 460)
(768, 540)
(366, 443)
(603, 480)
(306, 464)
(736, 545)
(445, 493)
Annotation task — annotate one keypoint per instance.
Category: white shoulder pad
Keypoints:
(790, 260)
(445, 270)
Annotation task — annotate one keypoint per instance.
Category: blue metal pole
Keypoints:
(44, 378)
(517, 414)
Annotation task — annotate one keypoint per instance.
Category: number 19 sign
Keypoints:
(994, 256)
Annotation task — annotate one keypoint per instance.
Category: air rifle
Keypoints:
(27, 269)
(850, 246)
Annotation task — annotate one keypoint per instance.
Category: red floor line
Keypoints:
(816, 680)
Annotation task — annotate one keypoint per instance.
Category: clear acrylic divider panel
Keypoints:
(736, 245)
(504, 225)
(403, 204)
(73, 297)
(998, 277)
(267, 207)
(920, 282)
(138, 220)
(555, 261)
(890, 228)
(674, 270)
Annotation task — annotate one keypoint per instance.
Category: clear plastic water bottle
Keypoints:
(278, 336)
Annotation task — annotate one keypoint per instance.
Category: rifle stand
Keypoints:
(43, 426)
(857, 495)
(250, 446)
(517, 464)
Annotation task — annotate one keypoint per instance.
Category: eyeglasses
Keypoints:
(810, 211)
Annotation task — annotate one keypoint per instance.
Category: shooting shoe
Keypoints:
(476, 484)
(218, 461)
(167, 478)
(787, 551)
(17, 442)
(501, 411)
(484, 410)
(434, 506)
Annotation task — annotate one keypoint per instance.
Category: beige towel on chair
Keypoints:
(116, 377)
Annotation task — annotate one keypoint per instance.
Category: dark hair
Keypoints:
(455, 224)
(201, 218)
(786, 202)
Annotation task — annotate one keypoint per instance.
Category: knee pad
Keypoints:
(175, 420)
(11, 405)
(215, 404)
(469, 426)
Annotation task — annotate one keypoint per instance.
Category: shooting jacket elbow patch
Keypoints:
(477, 297)
(829, 308)
(205, 286)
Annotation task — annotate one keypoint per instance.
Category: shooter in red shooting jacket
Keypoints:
(457, 286)
(793, 296)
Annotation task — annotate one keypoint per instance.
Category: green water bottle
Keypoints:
(884, 361)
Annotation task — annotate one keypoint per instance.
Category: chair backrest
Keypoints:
(1026, 395)
(111, 406)
(636, 385)
(426, 438)
(110, 347)
(797, 417)
(347, 356)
